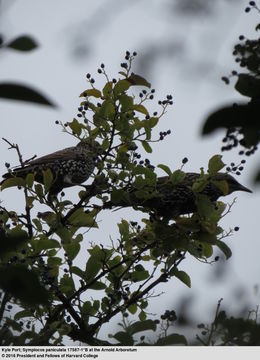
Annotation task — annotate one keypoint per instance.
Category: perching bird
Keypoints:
(173, 200)
(70, 166)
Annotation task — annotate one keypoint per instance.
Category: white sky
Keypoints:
(104, 30)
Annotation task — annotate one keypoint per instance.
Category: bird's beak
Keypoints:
(243, 188)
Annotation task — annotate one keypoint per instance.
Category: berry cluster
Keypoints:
(236, 168)
(167, 101)
(233, 138)
(129, 58)
(90, 79)
(252, 4)
(144, 95)
(135, 225)
(163, 134)
(147, 163)
(169, 315)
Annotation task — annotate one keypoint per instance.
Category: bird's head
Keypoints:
(90, 145)
(233, 184)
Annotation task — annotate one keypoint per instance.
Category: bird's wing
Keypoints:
(65, 154)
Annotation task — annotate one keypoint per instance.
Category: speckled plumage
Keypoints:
(70, 166)
(179, 199)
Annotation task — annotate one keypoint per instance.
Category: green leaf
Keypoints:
(139, 326)
(153, 121)
(88, 309)
(132, 308)
(123, 227)
(67, 285)
(248, 85)
(75, 126)
(21, 314)
(124, 338)
(91, 92)
(107, 109)
(138, 80)
(199, 184)
(207, 249)
(64, 233)
(140, 108)
(126, 102)
(121, 86)
(72, 249)
(80, 218)
(122, 73)
(177, 177)
(29, 180)
(14, 181)
(215, 164)
(39, 190)
(107, 89)
(94, 263)
(77, 271)
(224, 248)
(165, 168)
(182, 276)
(146, 146)
(23, 93)
(117, 196)
(139, 275)
(23, 43)
(44, 243)
(29, 201)
(244, 116)
(205, 207)
(172, 339)
(47, 179)
(142, 315)
(23, 284)
(54, 261)
(98, 285)
(38, 224)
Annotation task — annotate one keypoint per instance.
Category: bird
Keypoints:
(172, 200)
(70, 166)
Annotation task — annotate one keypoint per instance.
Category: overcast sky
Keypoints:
(179, 53)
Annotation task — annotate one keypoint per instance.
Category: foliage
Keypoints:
(241, 120)
(229, 331)
(65, 298)
(21, 92)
